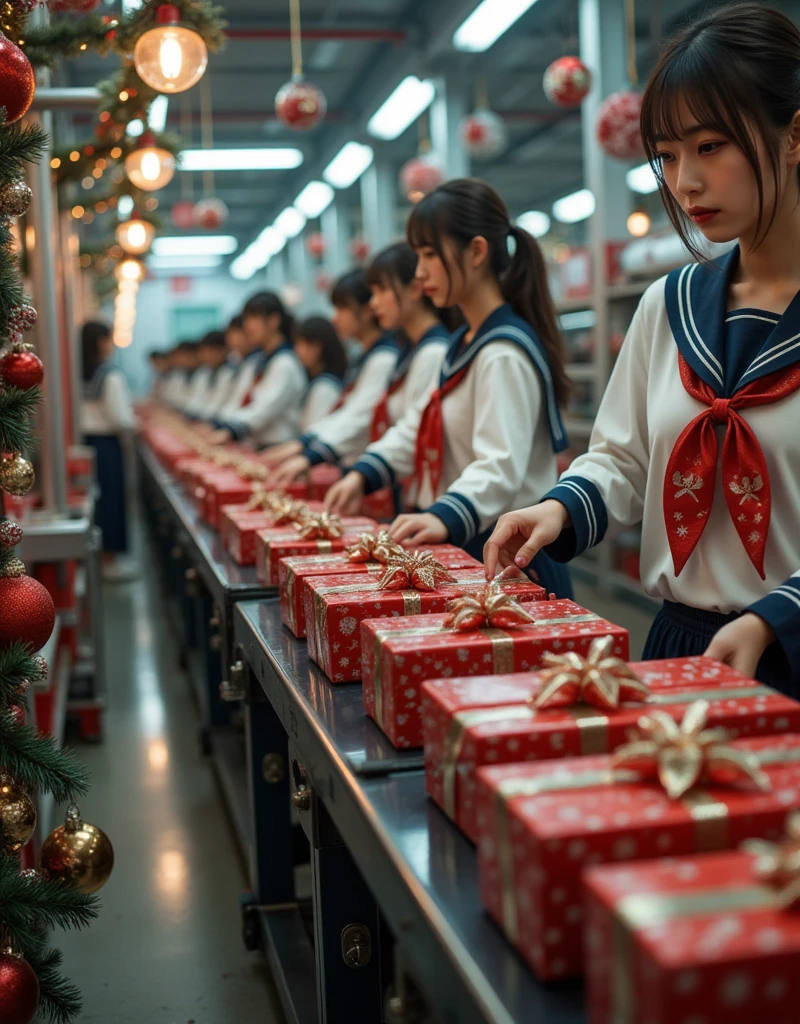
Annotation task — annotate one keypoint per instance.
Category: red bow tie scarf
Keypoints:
(430, 438)
(380, 417)
(248, 398)
(691, 471)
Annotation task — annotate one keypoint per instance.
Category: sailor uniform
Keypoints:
(177, 387)
(209, 390)
(322, 395)
(345, 433)
(487, 437)
(270, 409)
(719, 534)
(220, 389)
(107, 412)
(414, 380)
(244, 378)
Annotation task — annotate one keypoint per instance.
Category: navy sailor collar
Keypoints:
(263, 359)
(331, 378)
(438, 333)
(505, 325)
(93, 388)
(386, 341)
(697, 308)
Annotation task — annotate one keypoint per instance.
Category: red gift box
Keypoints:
(380, 505)
(223, 487)
(239, 525)
(320, 480)
(189, 470)
(399, 658)
(337, 606)
(293, 572)
(272, 545)
(689, 938)
(469, 723)
(541, 825)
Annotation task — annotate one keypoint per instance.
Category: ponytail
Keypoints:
(467, 208)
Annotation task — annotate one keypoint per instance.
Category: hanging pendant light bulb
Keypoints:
(170, 58)
(129, 270)
(148, 167)
(135, 235)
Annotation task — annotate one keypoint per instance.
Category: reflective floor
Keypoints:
(167, 948)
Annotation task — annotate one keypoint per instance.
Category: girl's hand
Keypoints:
(421, 528)
(518, 536)
(346, 495)
(280, 453)
(288, 471)
(219, 436)
(741, 643)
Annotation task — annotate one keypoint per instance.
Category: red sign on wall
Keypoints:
(180, 285)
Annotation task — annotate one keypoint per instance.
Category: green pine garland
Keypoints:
(45, 45)
(16, 409)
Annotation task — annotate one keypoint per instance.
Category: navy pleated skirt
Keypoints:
(110, 507)
(681, 632)
(553, 576)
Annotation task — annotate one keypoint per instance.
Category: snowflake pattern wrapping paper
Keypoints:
(238, 528)
(271, 545)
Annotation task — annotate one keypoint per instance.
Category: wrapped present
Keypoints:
(336, 607)
(233, 490)
(320, 480)
(399, 657)
(240, 523)
(678, 790)
(715, 937)
(293, 572)
(320, 534)
(469, 723)
(188, 471)
(380, 505)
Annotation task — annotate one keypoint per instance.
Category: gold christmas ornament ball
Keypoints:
(15, 198)
(78, 853)
(16, 475)
(17, 815)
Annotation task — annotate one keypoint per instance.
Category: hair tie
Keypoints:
(511, 240)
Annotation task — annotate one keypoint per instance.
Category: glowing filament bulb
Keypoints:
(170, 56)
(151, 166)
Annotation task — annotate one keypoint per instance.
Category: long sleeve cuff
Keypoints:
(239, 431)
(458, 515)
(780, 609)
(587, 510)
(317, 451)
(376, 471)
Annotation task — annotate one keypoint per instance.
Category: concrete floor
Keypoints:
(166, 948)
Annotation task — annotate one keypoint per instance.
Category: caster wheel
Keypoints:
(251, 926)
(204, 740)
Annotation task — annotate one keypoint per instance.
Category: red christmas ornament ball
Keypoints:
(300, 105)
(28, 615)
(316, 245)
(567, 81)
(21, 370)
(617, 126)
(210, 214)
(19, 990)
(323, 283)
(17, 82)
(484, 134)
(419, 177)
(182, 215)
(360, 249)
(73, 6)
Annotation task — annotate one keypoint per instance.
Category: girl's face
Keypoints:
(385, 306)
(106, 347)
(441, 288)
(346, 322)
(308, 352)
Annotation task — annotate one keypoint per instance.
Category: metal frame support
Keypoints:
(447, 112)
(47, 98)
(378, 206)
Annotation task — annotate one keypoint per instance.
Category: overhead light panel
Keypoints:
(183, 262)
(348, 165)
(642, 179)
(316, 197)
(575, 207)
(277, 159)
(195, 245)
(534, 222)
(290, 223)
(242, 268)
(157, 115)
(258, 254)
(487, 23)
(411, 98)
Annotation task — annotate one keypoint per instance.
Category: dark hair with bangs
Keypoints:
(320, 331)
(351, 289)
(735, 67)
(467, 208)
(266, 304)
(397, 265)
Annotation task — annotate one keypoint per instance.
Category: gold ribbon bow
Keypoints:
(417, 571)
(488, 606)
(286, 510)
(261, 499)
(778, 864)
(678, 755)
(373, 547)
(317, 525)
(598, 679)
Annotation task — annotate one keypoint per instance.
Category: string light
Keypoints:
(55, 163)
(77, 212)
(115, 153)
(88, 182)
(638, 224)
(74, 156)
(123, 96)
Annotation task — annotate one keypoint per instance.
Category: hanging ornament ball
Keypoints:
(360, 249)
(10, 535)
(567, 81)
(16, 475)
(617, 125)
(17, 817)
(17, 82)
(73, 6)
(78, 853)
(300, 105)
(17, 712)
(19, 990)
(15, 197)
(182, 215)
(22, 318)
(484, 134)
(29, 614)
(419, 177)
(316, 245)
(323, 282)
(210, 214)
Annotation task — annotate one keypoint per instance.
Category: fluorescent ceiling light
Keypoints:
(575, 207)
(642, 179)
(410, 99)
(183, 262)
(534, 222)
(242, 269)
(290, 223)
(124, 207)
(258, 254)
(195, 245)
(278, 159)
(348, 165)
(487, 23)
(316, 197)
(157, 115)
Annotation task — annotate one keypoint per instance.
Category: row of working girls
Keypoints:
(490, 447)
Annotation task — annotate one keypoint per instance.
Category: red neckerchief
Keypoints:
(430, 438)
(380, 416)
